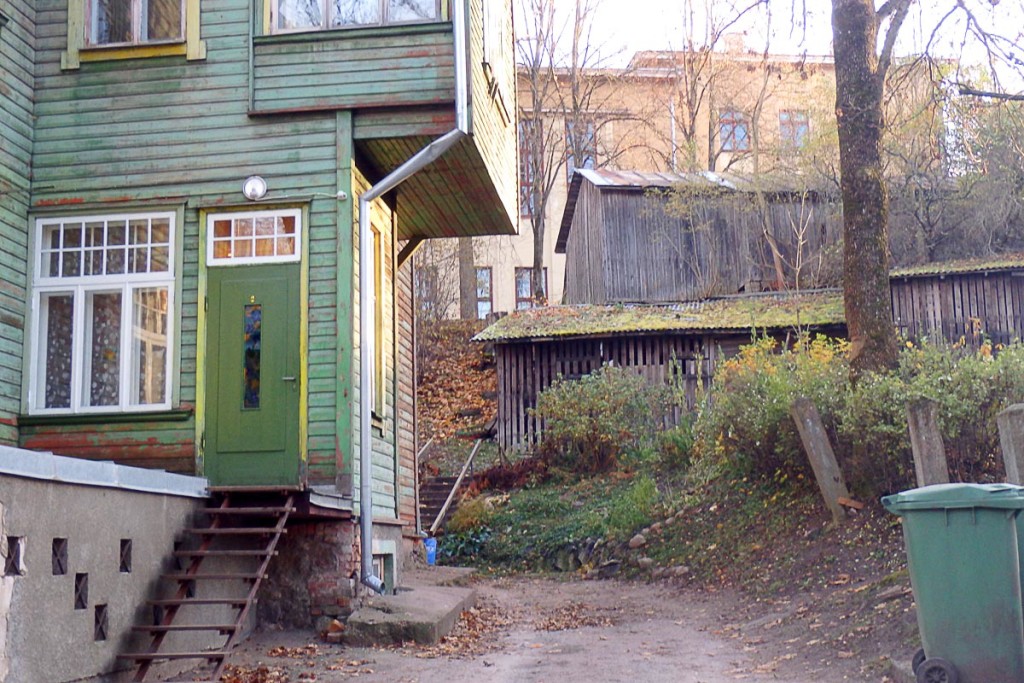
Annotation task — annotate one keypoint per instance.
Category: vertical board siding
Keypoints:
(976, 307)
(626, 245)
(526, 369)
(349, 69)
(17, 82)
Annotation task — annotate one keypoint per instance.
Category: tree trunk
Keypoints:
(467, 279)
(859, 116)
(538, 286)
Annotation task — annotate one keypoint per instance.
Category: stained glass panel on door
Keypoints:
(253, 323)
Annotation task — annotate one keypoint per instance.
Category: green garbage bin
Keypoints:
(965, 563)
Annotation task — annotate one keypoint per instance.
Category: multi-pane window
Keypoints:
(793, 128)
(253, 237)
(134, 22)
(580, 137)
(528, 129)
(524, 287)
(102, 289)
(484, 292)
(313, 15)
(733, 131)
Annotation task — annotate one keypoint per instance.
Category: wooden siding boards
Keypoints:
(17, 83)
(352, 69)
(976, 306)
(405, 393)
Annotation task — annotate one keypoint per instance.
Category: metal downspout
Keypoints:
(367, 331)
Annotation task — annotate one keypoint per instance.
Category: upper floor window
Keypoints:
(484, 292)
(135, 22)
(581, 138)
(306, 15)
(733, 131)
(793, 128)
(524, 287)
(102, 296)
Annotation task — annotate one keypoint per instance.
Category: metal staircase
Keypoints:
(245, 526)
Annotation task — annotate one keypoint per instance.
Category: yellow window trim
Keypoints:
(193, 48)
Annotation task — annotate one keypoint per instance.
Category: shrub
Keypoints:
(674, 446)
(746, 420)
(633, 508)
(591, 422)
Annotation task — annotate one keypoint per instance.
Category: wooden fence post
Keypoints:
(1011, 440)
(822, 457)
(926, 441)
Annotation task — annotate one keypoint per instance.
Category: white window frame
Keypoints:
(325, 18)
(138, 24)
(212, 218)
(79, 288)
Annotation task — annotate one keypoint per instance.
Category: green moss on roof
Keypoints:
(815, 309)
(1004, 262)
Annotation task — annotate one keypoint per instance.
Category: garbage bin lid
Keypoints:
(946, 496)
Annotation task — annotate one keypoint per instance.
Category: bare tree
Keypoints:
(864, 42)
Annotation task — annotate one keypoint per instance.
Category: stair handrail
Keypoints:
(455, 487)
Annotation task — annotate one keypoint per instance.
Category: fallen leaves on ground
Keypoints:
(301, 652)
(571, 616)
(254, 674)
(473, 635)
(454, 375)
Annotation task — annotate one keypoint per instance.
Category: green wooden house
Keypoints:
(203, 203)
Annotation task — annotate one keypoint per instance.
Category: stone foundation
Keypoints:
(314, 575)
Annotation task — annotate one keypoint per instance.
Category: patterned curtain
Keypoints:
(299, 14)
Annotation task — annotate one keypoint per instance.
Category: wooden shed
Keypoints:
(632, 237)
(973, 299)
(534, 347)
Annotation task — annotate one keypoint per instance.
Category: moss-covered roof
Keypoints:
(771, 311)
(1003, 262)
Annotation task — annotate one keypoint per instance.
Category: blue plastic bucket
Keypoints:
(430, 544)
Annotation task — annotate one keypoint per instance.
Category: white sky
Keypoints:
(623, 27)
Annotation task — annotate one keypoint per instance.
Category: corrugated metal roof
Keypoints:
(772, 311)
(961, 266)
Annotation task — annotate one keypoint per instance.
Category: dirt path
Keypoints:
(545, 631)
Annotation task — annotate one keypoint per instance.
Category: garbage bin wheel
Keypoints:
(936, 670)
(918, 659)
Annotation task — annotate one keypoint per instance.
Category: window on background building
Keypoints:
(524, 287)
(583, 137)
(527, 129)
(733, 131)
(314, 15)
(102, 333)
(484, 292)
(135, 22)
(793, 128)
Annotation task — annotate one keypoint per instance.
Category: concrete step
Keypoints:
(421, 611)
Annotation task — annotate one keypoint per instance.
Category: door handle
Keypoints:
(288, 378)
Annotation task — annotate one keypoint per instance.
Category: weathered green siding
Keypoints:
(120, 136)
(355, 68)
(17, 53)
(494, 108)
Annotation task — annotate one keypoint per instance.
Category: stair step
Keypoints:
(185, 627)
(210, 577)
(154, 656)
(179, 602)
(248, 511)
(221, 553)
(229, 531)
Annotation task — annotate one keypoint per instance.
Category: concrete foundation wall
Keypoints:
(44, 635)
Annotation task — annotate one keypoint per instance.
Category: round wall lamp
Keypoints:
(254, 188)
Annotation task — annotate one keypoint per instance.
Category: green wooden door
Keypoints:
(252, 379)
